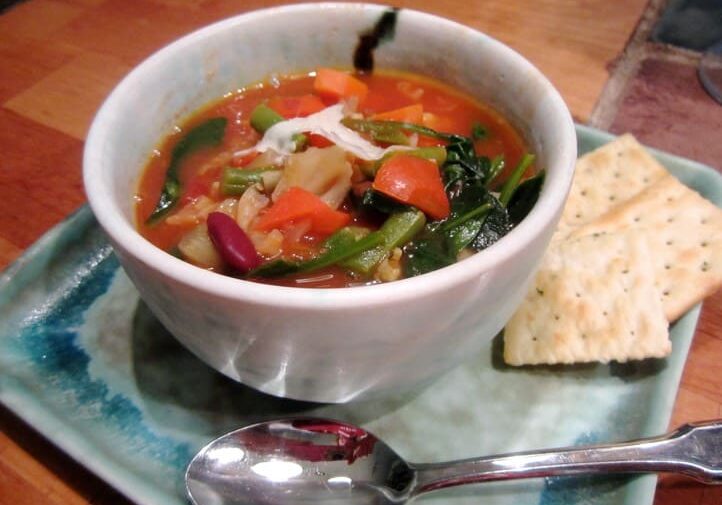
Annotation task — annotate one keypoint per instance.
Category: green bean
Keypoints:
(263, 117)
(397, 230)
(235, 181)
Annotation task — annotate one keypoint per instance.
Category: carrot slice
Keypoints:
(296, 106)
(296, 204)
(414, 181)
(409, 114)
(338, 84)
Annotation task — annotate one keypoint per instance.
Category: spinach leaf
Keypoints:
(496, 225)
(207, 134)
(469, 210)
(477, 220)
(426, 253)
(463, 166)
(343, 244)
(373, 200)
(525, 198)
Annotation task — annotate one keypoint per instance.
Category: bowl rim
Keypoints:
(125, 236)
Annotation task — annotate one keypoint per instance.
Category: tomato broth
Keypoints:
(300, 245)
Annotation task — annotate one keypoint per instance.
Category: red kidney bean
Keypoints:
(232, 243)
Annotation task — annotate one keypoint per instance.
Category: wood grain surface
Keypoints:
(60, 58)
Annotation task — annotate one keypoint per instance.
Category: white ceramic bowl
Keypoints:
(327, 345)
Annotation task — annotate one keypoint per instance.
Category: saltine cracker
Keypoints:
(593, 299)
(684, 233)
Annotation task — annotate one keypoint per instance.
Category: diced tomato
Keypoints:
(339, 84)
(296, 106)
(296, 204)
(242, 161)
(316, 140)
(414, 181)
(409, 114)
(436, 122)
(199, 184)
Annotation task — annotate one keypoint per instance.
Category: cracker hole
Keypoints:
(577, 215)
(704, 243)
(665, 292)
(670, 219)
(637, 219)
(667, 266)
(584, 192)
(579, 295)
(645, 179)
(703, 220)
(631, 332)
(705, 266)
(612, 198)
(616, 175)
(556, 317)
(605, 313)
(540, 292)
(669, 242)
(625, 271)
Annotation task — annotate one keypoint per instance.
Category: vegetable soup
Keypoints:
(335, 179)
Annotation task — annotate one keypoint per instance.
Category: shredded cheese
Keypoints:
(327, 123)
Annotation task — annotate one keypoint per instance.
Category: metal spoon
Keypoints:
(306, 460)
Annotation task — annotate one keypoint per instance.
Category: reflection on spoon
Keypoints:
(307, 460)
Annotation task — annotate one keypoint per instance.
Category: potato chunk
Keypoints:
(325, 172)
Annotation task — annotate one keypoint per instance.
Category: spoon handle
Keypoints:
(694, 449)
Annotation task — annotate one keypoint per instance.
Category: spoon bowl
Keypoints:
(310, 460)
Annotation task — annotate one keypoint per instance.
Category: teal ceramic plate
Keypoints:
(84, 362)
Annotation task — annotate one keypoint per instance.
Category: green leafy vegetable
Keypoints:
(477, 220)
(509, 187)
(375, 201)
(495, 226)
(343, 244)
(497, 166)
(525, 197)
(427, 253)
(207, 134)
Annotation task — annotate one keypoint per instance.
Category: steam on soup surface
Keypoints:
(334, 179)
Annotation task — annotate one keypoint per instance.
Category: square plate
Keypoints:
(84, 362)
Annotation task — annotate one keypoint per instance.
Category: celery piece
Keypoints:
(396, 231)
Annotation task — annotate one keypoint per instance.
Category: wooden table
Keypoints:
(60, 58)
